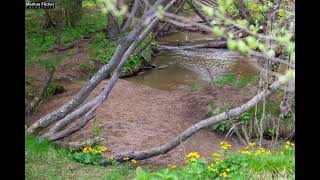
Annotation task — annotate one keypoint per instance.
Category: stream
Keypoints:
(180, 68)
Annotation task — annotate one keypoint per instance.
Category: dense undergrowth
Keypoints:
(43, 160)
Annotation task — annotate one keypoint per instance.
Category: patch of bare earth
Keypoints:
(137, 117)
(68, 71)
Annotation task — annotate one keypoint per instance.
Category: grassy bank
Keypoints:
(44, 161)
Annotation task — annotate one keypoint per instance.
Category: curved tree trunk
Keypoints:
(139, 155)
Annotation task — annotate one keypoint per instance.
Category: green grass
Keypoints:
(44, 161)
(39, 40)
(196, 85)
(236, 165)
(231, 79)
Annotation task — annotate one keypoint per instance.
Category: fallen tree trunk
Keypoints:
(97, 78)
(140, 155)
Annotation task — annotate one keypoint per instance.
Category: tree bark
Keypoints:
(34, 103)
(140, 155)
(113, 29)
(131, 16)
(196, 10)
(244, 13)
(286, 104)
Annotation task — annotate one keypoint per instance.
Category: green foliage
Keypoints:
(87, 158)
(82, 67)
(89, 155)
(196, 85)
(44, 161)
(51, 90)
(214, 109)
(40, 40)
(245, 164)
(103, 49)
(231, 79)
(89, 3)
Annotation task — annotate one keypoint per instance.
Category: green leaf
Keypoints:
(232, 44)
(217, 31)
(243, 48)
(252, 42)
(208, 10)
(290, 75)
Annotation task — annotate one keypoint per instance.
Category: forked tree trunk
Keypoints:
(97, 78)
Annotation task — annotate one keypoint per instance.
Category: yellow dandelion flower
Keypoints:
(224, 174)
(262, 150)
(111, 157)
(134, 161)
(87, 149)
(126, 158)
(252, 144)
(268, 152)
(102, 148)
(216, 154)
(288, 142)
(172, 166)
(246, 152)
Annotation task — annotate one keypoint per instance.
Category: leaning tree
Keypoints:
(242, 35)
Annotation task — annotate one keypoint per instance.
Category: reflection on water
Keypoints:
(173, 77)
(185, 67)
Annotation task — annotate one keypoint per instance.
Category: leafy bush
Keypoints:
(90, 155)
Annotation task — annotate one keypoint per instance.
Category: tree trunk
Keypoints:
(34, 103)
(113, 29)
(198, 12)
(58, 31)
(244, 13)
(286, 104)
(131, 16)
